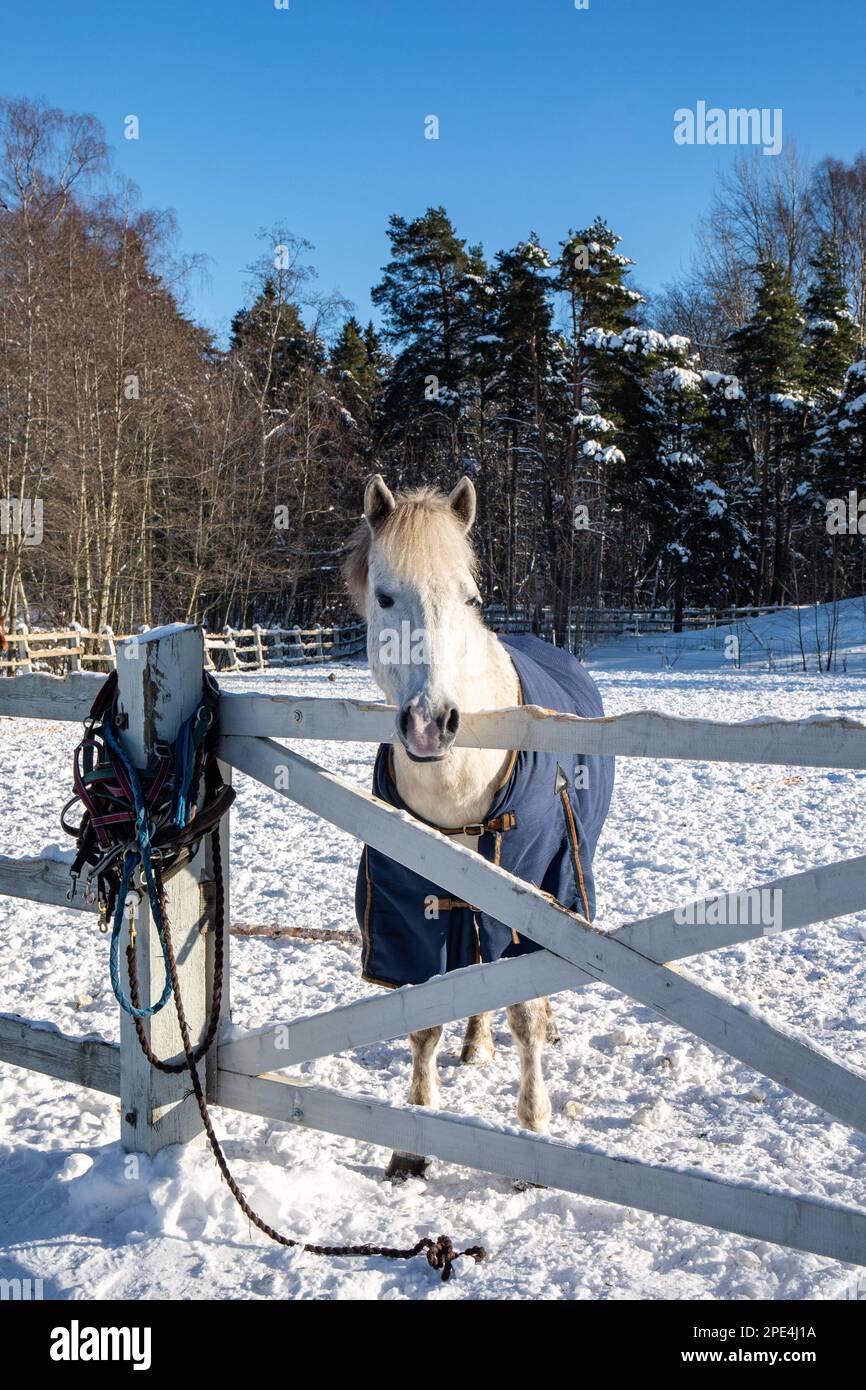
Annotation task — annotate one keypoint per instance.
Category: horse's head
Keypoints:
(411, 570)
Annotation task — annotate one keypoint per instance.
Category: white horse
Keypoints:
(410, 568)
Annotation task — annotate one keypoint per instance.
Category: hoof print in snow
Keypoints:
(403, 1166)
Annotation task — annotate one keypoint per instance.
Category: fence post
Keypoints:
(231, 650)
(22, 647)
(159, 686)
(257, 643)
(79, 634)
(108, 649)
(209, 901)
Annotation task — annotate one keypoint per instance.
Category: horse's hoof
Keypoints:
(476, 1054)
(403, 1166)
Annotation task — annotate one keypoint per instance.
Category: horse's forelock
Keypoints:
(421, 537)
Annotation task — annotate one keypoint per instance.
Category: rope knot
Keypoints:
(441, 1255)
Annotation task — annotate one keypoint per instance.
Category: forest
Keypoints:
(703, 446)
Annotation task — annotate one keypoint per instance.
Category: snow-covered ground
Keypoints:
(71, 1215)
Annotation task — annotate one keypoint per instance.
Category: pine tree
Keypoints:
(591, 279)
(526, 415)
(769, 357)
(423, 298)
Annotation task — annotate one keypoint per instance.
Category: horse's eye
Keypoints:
(473, 602)
(384, 601)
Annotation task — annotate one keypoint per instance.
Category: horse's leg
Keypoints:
(478, 1041)
(552, 1030)
(528, 1024)
(424, 1091)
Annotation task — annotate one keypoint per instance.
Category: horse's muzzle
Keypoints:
(427, 732)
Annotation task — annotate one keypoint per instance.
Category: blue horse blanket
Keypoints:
(543, 827)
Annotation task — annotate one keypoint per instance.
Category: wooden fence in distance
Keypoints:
(234, 649)
(258, 648)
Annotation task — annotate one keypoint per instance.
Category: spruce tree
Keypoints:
(355, 363)
(831, 334)
(271, 337)
(841, 439)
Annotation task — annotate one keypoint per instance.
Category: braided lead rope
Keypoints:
(216, 1001)
(188, 763)
(440, 1253)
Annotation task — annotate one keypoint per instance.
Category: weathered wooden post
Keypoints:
(22, 645)
(231, 649)
(209, 892)
(159, 686)
(108, 648)
(257, 646)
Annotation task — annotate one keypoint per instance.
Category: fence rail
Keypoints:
(635, 959)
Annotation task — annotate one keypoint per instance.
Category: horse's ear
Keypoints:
(462, 502)
(378, 502)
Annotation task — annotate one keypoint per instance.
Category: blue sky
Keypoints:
(314, 116)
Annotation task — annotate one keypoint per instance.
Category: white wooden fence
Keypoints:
(636, 959)
(241, 649)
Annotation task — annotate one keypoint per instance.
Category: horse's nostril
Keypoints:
(404, 721)
(452, 723)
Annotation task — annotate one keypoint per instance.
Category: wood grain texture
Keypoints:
(41, 1047)
(159, 686)
(638, 734)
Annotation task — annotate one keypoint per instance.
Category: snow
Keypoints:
(732, 389)
(682, 379)
(635, 340)
(592, 422)
(75, 1213)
